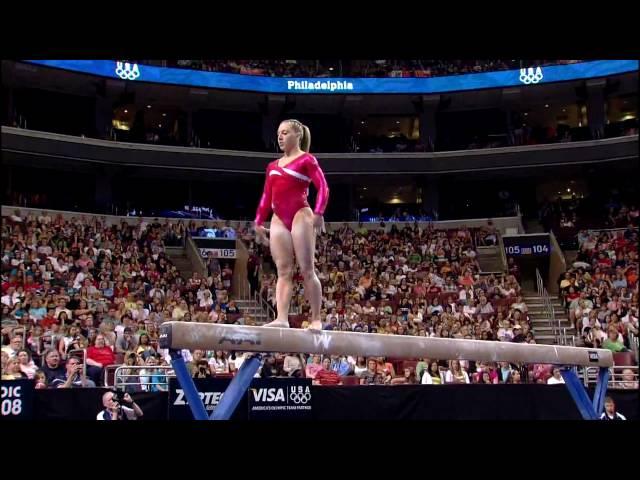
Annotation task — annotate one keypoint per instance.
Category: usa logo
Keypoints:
(531, 75)
(127, 71)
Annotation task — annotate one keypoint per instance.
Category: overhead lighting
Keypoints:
(564, 109)
(164, 114)
(397, 122)
(148, 106)
(568, 189)
(159, 125)
(126, 111)
(526, 114)
(362, 122)
(524, 124)
(364, 188)
(331, 69)
(546, 105)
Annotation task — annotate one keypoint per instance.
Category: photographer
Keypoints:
(202, 369)
(113, 410)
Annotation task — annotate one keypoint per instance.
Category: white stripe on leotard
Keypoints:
(274, 172)
(298, 175)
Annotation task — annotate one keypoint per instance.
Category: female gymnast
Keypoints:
(294, 225)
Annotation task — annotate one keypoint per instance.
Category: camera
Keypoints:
(118, 396)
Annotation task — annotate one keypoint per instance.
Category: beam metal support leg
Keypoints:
(236, 389)
(186, 382)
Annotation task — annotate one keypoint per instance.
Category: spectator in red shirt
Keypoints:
(419, 290)
(326, 376)
(604, 261)
(49, 319)
(99, 356)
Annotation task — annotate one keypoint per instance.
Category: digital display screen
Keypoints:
(538, 244)
(230, 81)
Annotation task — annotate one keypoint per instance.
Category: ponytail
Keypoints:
(305, 139)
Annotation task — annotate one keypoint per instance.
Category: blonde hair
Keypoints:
(303, 130)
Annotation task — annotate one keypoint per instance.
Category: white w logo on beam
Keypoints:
(322, 339)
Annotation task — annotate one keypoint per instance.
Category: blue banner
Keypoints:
(231, 81)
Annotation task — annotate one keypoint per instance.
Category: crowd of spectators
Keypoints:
(600, 290)
(79, 296)
(410, 281)
(569, 216)
(356, 68)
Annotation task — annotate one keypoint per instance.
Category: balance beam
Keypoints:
(212, 336)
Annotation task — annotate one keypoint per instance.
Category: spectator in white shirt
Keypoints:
(556, 378)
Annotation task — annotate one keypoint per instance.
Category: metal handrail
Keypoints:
(503, 255)
(559, 332)
(271, 313)
(634, 344)
(589, 376)
(119, 375)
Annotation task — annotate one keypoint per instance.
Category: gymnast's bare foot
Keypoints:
(315, 326)
(278, 323)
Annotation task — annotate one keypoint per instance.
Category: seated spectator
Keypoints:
(126, 342)
(194, 364)
(151, 378)
(12, 370)
(326, 375)
(130, 376)
(27, 366)
(201, 369)
(432, 376)
(408, 378)
(74, 377)
(613, 341)
(145, 348)
(515, 377)
(372, 376)
(596, 337)
(293, 365)
(52, 367)
(312, 368)
(485, 378)
(218, 362)
(14, 346)
(40, 380)
(360, 367)
(99, 356)
(270, 368)
(455, 373)
(340, 365)
(556, 377)
(629, 380)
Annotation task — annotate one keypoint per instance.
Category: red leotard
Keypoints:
(286, 189)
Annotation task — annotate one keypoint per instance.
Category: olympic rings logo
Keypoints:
(126, 71)
(529, 75)
(299, 397)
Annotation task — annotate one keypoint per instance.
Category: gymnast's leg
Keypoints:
(281, 246)
(304, 245)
